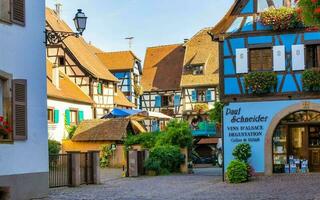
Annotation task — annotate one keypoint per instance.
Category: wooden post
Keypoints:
(184, 165)
(95, 167)
(75, 168)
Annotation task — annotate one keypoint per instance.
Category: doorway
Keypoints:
(297, 137)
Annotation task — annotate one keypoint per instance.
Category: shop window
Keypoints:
(194, 69)
(50, 116)
(260, 59)
(313, 56)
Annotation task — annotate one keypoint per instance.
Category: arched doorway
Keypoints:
(293, 133)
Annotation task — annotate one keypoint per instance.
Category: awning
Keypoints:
(121, 113)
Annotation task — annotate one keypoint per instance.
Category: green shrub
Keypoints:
(177, 133)
(242, 152)
(105, 155)
(164, 159)
(309, 11)
(311, 80)
(146, 140)
(237, 172)
(260, 82)
(215, 113)
(54, 147)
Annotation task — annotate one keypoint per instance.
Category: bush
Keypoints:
(310, 12)
(260, 82)
(242, 152)
(146, 140)
(177, 133)
(237, 172)
(164, 159)
(54, 147)
(105, 155)
(311, 80)
(283, 18)
(215, 113)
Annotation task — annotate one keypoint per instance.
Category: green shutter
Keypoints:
(56, 116)
(80, 116)
(68, 120)
(99, 88)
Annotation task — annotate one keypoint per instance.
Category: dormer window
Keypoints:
(260, 59)
(194, 69)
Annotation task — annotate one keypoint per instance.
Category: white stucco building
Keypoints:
(68, 105)
(23, 146)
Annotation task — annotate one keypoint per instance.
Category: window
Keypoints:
(166, 101)
(74, 117)
(201, 94)
(194, 69)
(313, 56)
(61, 61)
(260, 59)
(13, 11)
(50, 116)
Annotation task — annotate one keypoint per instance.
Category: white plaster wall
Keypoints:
(57, 131)
(22, 53)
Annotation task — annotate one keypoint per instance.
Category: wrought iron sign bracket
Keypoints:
(57, 37)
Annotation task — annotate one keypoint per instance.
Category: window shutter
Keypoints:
(194, 95)
(241, 61)
(279, 58)
(5, 10)
(80, 116)
(298, 62)
(56, 116)
(208, 95)
(20, 109)
(158, 102)
(67, 113)
(18, 12)
(177, 100)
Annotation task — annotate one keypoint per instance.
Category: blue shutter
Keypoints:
(194, 95)
(208, 95)
(68, 120)
(155, 126)
(177, 100)
(56, 116)
(80, 116)
(158, 102)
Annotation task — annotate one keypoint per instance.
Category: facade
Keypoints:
(24, 142)
(281, 124)
(75, 58)
(68, 105)
(161, 79)
(200, 76)
(127, 68)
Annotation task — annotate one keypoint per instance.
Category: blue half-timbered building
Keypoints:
(281, 123)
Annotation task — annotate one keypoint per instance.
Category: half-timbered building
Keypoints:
(161, 79)
(200, 76)
(281, 120)
(126, 66)
(74, 58)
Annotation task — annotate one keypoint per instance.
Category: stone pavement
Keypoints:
(277, 187)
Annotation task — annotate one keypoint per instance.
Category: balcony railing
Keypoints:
(205, 129)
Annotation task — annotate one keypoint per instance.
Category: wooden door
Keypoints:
(314, 155)
(314, 148)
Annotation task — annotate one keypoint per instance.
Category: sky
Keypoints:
(150, 22)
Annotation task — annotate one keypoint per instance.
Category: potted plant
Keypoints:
(260, 82)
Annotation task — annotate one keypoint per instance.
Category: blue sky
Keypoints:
(151, 22)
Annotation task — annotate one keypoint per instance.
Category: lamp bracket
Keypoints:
(57, 37)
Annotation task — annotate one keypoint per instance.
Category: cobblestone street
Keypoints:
(196, 187)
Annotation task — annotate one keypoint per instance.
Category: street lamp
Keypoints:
(56, 37)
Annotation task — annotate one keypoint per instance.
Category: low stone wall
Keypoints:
(117, 160)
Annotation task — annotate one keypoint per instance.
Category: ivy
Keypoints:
(260, 82)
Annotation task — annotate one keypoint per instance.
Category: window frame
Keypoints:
(204, 99)
(11, 21)
(316, 58)
(51, 109)
(191, 69)
(254, 48)
(7, 104)
(74, 110)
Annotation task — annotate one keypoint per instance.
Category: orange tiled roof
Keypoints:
(121, 60)
(163, 68)
(79, 48)
(121, 100)
(68, 90)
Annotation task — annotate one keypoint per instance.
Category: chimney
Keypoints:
(58, 9)
(56, 76)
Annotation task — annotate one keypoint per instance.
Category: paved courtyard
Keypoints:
(196, 186)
